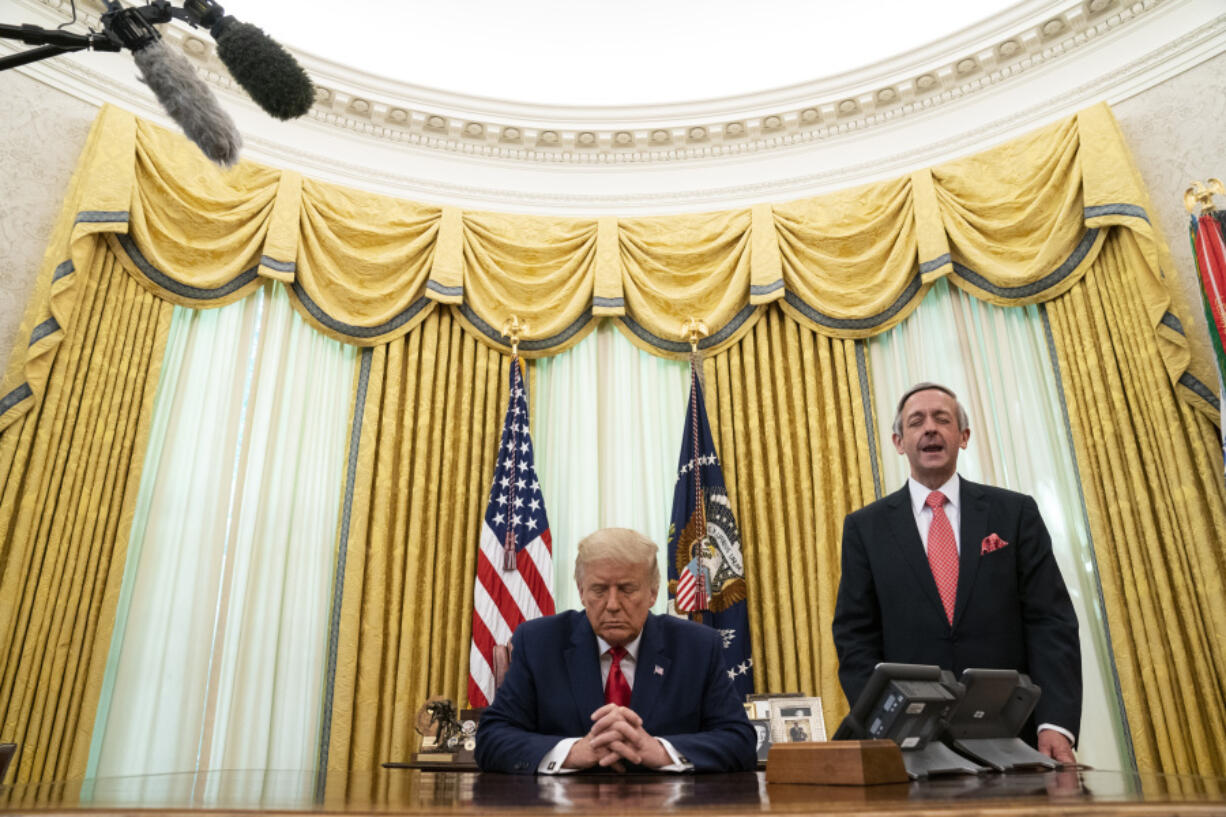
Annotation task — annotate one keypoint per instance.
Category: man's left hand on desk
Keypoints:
(1056, 746)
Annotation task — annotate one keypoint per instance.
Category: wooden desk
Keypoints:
(403, 791)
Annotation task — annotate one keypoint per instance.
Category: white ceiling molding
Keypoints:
(1041, 60)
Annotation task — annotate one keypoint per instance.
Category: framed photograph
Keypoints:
(797, 720)
(762, 732)
(761, 703)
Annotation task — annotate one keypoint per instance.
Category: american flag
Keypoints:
(515, 560)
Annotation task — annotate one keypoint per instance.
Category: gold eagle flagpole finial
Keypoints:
(694, 330)
(514, 329)
(1201, 194)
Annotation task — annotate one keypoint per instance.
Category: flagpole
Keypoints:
(1207, 232)
(513, 329)
(692, 331)
(514, 564)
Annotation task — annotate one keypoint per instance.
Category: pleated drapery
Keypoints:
(430, 406)
(1016, 224)
(790, 422)
(69, 474)
(1155, 501)
(788, 291)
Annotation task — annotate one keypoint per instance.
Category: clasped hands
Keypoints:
(616, 735)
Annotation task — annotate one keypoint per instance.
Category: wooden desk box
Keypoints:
(839, 763)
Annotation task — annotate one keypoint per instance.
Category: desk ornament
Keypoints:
(447, 740)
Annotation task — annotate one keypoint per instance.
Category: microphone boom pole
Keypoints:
(52, 42)
(258, 63)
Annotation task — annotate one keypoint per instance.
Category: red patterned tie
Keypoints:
(617, 689)
(943, 553)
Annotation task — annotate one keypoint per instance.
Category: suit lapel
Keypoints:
(583, 668)
(650, 670)
(911, 548)
(973, 528)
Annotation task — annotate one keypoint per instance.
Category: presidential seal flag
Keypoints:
(515, 558)
(706, 572)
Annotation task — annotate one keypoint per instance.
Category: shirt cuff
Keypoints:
(679, 763)
(1071, 737)
(552, 762)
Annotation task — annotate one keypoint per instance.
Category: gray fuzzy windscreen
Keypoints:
(189, 102)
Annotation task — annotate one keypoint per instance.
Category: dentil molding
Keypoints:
(1038, 61)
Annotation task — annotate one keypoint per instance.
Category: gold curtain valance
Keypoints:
(1018, 224)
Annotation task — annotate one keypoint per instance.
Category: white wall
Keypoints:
(42, 132)
(1177, 133)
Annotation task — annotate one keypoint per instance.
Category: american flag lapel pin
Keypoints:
(659, 670)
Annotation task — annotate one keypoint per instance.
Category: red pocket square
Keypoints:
(990, 543)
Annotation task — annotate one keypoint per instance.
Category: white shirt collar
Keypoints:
(632, 649)
(919, 493)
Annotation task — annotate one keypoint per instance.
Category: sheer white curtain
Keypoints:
(607, 421)
(998, 361)
(217, 658)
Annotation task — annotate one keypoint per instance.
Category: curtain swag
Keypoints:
(1020, 223)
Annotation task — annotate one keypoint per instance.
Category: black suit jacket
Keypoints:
(681, 691)
(1012, 612)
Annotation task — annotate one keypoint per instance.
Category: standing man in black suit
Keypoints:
(949, 572)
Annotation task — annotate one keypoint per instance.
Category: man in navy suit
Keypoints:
(614, 686)
(952, 573)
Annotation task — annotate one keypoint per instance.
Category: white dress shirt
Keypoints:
(552, 762)
(953, 510)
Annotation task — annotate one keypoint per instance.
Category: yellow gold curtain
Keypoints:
(430, 418)
(1157, 510)
(681, 267)
(792, 429)
(1015, 224)
(347, 236)
(1013, 238)
(849, 258)
(69, 473)
(427, 289)
(541, 270)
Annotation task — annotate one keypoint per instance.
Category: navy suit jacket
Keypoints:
(681, 691)
(1012, 611)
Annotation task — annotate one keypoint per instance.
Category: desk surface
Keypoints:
(403, 791)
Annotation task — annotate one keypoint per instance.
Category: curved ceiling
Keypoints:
(633, 52)
(536, 107)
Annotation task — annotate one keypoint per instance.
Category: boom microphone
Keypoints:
(182, 94)
(189, 102)
(269, 73)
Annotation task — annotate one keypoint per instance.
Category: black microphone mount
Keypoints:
(51, 42)
(269, 73)
(130, 28)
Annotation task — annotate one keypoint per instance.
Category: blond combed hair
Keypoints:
(618, 545)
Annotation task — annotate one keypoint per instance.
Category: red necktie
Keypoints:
(617, 689)
(943, 553)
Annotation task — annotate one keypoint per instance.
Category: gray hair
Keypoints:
(963, 419)
(618, 545)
